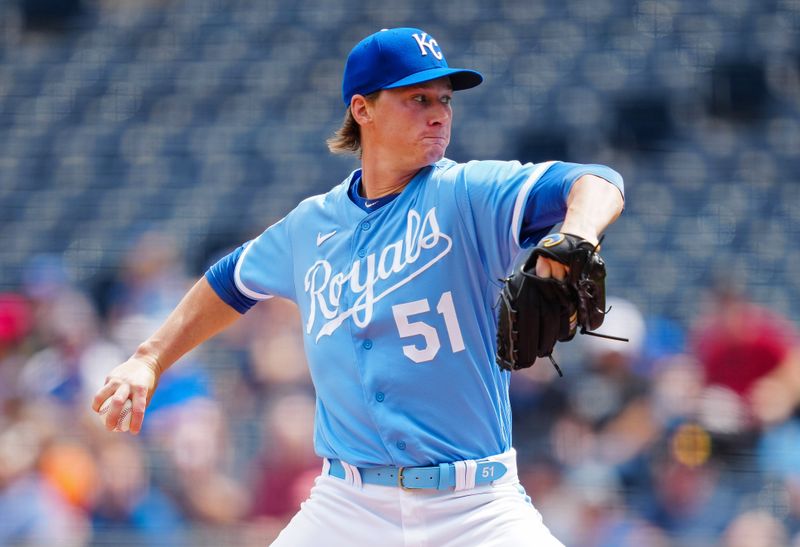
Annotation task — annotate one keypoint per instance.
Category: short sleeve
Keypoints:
(265, 267)
(491, 196)
(507, 203)
(221, 278)
(546, 202)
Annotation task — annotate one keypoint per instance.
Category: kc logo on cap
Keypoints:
(399, 57)
(430, 45)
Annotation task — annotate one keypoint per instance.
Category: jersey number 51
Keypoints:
(407, 328)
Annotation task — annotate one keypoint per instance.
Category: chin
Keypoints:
(435, 155)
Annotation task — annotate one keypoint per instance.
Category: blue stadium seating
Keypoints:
(209, 117)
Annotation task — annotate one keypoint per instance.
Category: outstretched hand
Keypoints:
(135, 379)
(200, 315)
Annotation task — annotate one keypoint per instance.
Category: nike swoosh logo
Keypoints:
(322, 238)
(368, 204)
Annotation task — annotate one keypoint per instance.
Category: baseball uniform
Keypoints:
(397, 300)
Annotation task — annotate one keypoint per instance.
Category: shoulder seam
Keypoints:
(237, 278)
(519, 204)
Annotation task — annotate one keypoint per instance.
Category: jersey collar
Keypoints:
(365, 204)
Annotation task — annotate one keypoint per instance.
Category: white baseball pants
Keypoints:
(346, 513)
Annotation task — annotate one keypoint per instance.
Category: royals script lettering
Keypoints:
(375, 276)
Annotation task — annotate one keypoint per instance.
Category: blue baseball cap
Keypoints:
(398, 57)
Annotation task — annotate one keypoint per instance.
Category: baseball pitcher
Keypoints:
(399, 272)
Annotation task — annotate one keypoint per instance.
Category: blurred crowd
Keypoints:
(226, 454)
(680, 437)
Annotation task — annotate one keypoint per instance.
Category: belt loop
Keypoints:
(351, 474)
(357, 477)
(460, 471)
(326, 466)
(472, 468)
(445, 476)
(465, 474)
(348, 472)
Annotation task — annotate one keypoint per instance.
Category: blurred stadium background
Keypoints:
(142, 140)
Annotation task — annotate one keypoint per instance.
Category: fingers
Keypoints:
(118, 392)
(133, 380)
(139, 398)
(117, 401)
(543, 268)
(104, 393)
(546, 267)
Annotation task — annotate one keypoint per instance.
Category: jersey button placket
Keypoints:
(401, 445)
(367, 344)
(380, 397)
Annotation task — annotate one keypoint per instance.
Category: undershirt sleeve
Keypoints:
(547, 202)
(221, 278)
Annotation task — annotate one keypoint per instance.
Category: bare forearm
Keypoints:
(200, 315)
(593, 204)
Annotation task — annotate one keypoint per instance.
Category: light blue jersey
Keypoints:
(397, 304)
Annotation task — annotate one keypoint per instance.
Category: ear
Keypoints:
(360, 109)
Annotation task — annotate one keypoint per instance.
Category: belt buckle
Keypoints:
(400, 479)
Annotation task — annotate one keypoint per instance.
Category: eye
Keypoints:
(420, 98)
(447, 99)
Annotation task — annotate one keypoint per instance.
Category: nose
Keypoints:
(440, 114)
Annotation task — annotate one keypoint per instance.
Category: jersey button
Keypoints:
(401, 445)
(367, 344)
(380, 397)
(362, 253)
(365, 225)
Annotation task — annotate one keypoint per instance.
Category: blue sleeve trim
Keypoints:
(547, 202)
(574, 171)
(220, 277)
